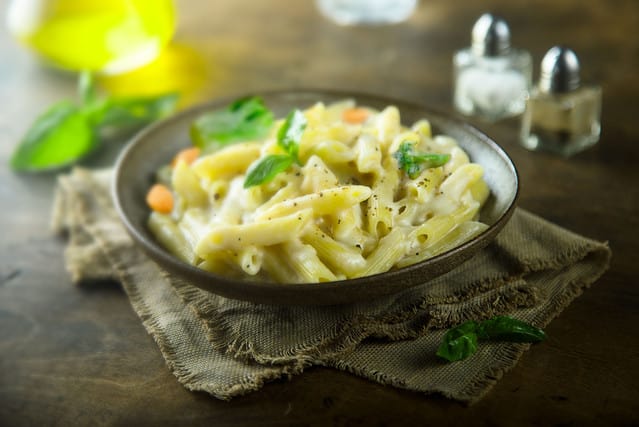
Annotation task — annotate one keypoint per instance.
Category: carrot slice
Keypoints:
(188, 155)
(355, 115)
(160, 199)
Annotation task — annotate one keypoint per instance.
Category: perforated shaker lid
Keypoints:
(490, 36)
(559, 71)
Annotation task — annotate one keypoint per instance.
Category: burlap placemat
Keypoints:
(227, 348)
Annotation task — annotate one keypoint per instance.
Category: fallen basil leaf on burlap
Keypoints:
(67, 132)
(508, 329)
(244, 119)
(461, 341)
(57, 138)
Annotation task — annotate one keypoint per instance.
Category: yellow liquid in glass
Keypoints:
(111, 36)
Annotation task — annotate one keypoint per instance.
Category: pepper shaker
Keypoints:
(491, 77)
(561, 115)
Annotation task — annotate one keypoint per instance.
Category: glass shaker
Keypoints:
(491, 78)
(561, 115)
(369, 12)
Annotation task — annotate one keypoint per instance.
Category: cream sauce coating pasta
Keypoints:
(346, 210)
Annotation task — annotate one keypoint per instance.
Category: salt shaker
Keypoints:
(367, 12)
(491, 77)
(561, 115)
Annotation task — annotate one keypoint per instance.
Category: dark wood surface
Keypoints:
(80, 356)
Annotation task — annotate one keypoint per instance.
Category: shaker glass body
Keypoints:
(491, 87)
(564, 123)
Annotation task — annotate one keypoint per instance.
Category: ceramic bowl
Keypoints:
(157, 144)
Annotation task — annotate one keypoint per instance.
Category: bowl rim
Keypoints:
(253, 290)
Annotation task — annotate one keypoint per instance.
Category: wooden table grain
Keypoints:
(80, 356)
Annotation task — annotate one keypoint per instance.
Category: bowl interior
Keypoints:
(156, 145)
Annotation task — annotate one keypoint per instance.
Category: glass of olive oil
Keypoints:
(107, 36)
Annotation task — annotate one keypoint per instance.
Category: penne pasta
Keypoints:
(187, 185)
(321, 203)
(171, 237)
(263, 233)
(228, 162)
(305, 263)
(391, 248)
(333, 192)
(338, 256)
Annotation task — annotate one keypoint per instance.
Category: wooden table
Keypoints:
(80, 356)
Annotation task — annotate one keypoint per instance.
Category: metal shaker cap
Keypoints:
(490, 36)
(559, 71)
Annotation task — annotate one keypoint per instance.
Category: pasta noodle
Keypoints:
(345, 204)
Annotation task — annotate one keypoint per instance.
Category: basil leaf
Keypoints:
(67, 132)
(509, 329)
(414, 163)
(459, 342)
(123, 113)
(244, 119)
(290, 134)
(266, 168)
(59, 137)
(86, 89)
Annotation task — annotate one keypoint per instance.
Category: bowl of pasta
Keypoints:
(312, 196)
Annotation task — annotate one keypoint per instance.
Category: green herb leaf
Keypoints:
(290, 134)
(414, 163)
(86, 88)
(266, 168)
(459, 342)
(244, 119)
(125, 113)
(59, 137)
(288, 137)
(67, 132)
(508, 329)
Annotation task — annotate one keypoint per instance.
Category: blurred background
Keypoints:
(209, 51)
(50, 330)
